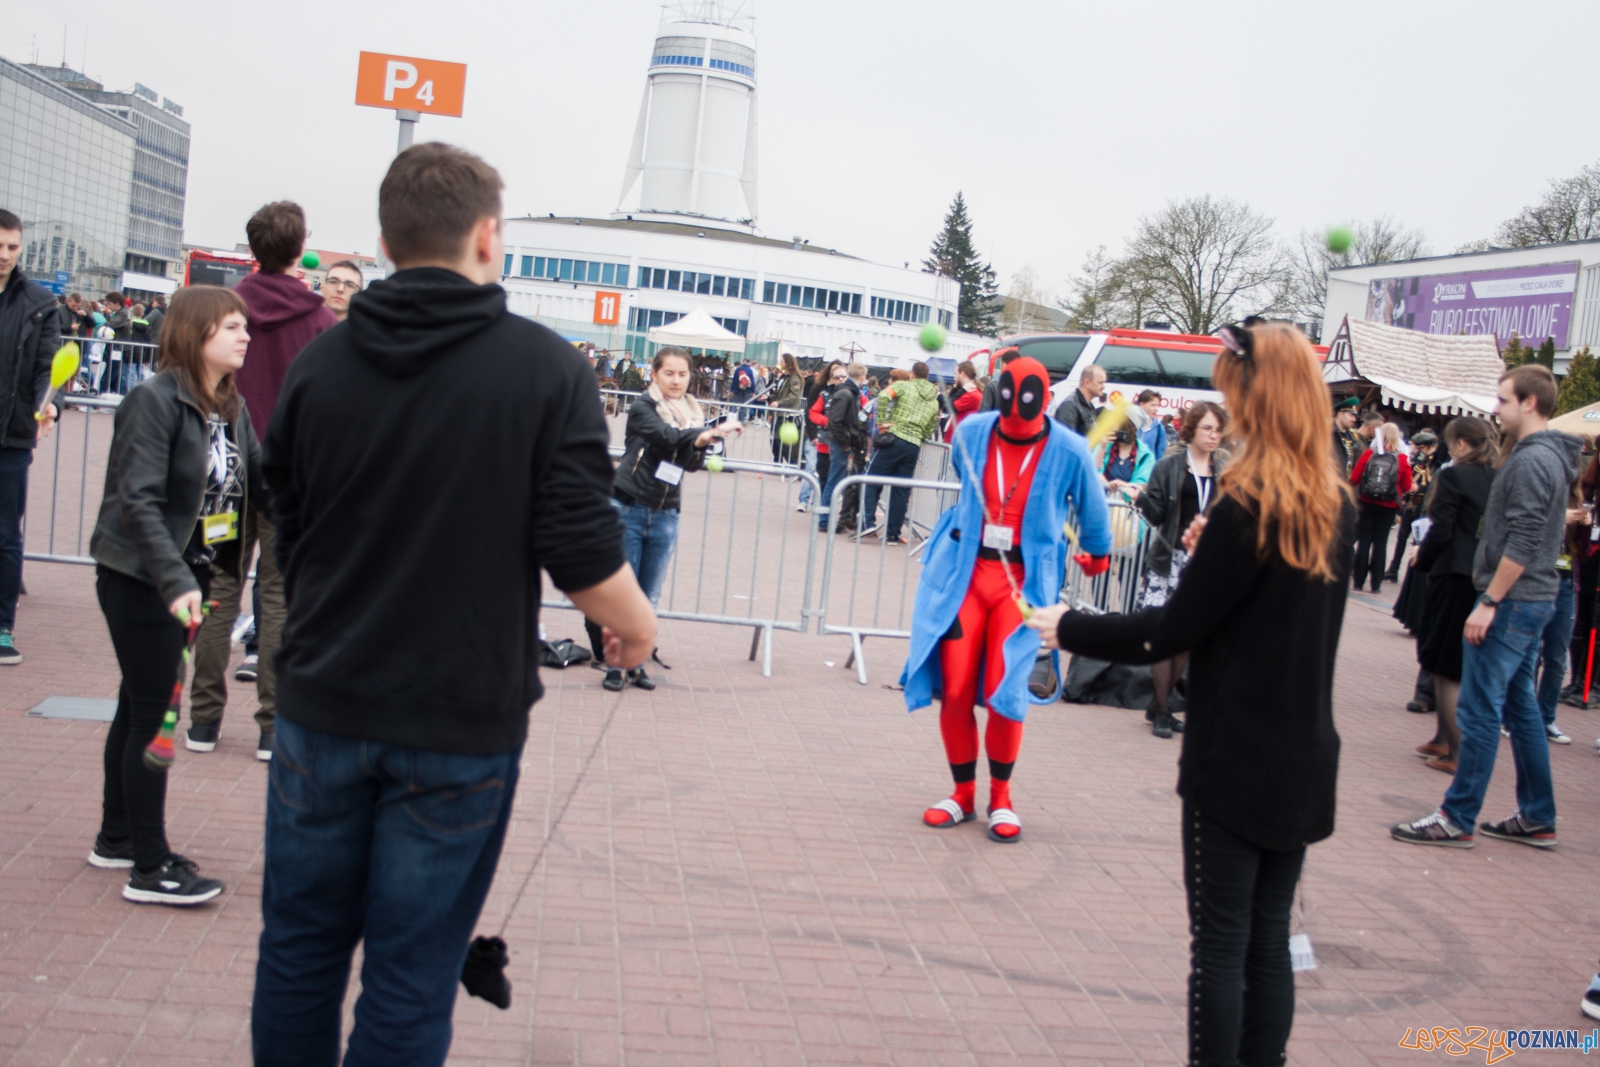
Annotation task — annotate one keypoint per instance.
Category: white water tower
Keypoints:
(694, 149)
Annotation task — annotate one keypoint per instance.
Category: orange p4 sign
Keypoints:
(606, 308)
(405, 83)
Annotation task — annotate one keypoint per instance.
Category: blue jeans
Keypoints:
(390, 846)
(898, 460)
(1553, 648)
(648, 537)
(14, 464)
(811, 468)
(1496, 684)
(838, 471)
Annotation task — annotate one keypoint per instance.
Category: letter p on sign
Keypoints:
(406, 83)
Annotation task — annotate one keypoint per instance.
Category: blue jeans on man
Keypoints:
(1554, 648)
(1497, 686)
(376, 843)
(896, 460)
(648, 537)
(14, 463)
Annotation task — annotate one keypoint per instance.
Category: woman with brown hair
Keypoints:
(184, 462)
(1259, 611)
(787, 394)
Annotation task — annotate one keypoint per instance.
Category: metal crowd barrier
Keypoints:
(1116, 591)
(113, 367)
(755, 445)
(75, 469)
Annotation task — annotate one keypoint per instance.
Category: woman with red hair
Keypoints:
(1258, 609)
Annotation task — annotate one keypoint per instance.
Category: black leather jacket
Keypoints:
(650, 441)
(30, 333)
(156, 484)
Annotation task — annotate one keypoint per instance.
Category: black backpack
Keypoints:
(1381, 479)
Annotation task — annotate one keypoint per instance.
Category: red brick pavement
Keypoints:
(743, 879)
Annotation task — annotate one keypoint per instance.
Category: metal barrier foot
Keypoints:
(762, 639)
(858, 657)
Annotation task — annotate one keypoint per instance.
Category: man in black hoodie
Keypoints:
(428, 457)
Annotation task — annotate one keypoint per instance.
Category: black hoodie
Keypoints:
(429, 455)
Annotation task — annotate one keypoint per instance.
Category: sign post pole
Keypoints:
(408, 129)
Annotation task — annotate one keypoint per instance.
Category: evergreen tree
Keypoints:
(953, 256)
(1581, 386)
(1546, 354)
(1515, 353)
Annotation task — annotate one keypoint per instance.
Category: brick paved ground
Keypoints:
(743, 878)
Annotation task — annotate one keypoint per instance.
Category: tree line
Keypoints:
(1203, 262)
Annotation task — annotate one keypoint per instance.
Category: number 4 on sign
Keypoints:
(425, 94)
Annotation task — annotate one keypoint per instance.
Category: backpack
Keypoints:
(1381, 479)
(745, 377)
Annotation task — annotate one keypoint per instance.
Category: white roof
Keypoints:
(1418, 371)
(697, 330)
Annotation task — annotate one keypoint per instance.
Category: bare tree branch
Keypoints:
(1570, 211)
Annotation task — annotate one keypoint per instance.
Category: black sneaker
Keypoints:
(176, 881)
(110, 857)
(248, 670)
(614, 681)
(1418, 707)
(264, 745)
(641, 679)
(1161, 725)
(1520, 830)
(1435, 829)
(9, 656)
(202, 737)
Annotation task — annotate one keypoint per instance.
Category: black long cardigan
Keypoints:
(1260, 752)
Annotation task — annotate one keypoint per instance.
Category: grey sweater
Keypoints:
(1527, 514)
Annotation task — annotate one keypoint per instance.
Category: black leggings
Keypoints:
(1372, 543)
(149, 643)
(1241, 988)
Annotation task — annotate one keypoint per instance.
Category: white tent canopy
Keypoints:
(1417, 371)
(1580, 423)
(697, 330)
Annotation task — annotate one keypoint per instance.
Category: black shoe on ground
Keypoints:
(201, 737)
(1391, 576)
(1161, 725)
(614, 680)
(641, 679)
(176, 881)
(1520, 830)
(264, 746)
(248, 669)
(110, 857)
(1417, 707)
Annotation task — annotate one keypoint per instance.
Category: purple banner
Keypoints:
(1532, 302)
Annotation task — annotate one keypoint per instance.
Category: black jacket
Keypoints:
(991, 395)
(651, 441)
(1076, 413)
(1260, 752)
(1460, 495)
(847, 424)
(808, 398)
(156, 484)
(30, 333)
(428, 456)
(1161, 503)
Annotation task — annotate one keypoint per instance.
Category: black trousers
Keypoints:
(1241, 988)
(1408, 518)
(1372, 543)
(149, 644)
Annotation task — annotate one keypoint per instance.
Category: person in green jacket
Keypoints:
(1125, 461)
(909, 412)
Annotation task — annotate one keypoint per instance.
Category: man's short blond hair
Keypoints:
(858, 371)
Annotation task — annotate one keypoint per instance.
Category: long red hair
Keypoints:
(1285, 477)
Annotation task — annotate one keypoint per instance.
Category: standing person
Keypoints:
(816, 432)
(1412, 506)
(911, 416)
(1124, 461)
(156, 316)
(991, 387)
(284, 317)
(1347, 444)
(343, 281)
(744, 382)
(183, 466)
(432, 496)
(1553, 644)
(119, 323)
(1586, 568)
(847, 445)
(785, 398)
(966, 397)
(1154, 433)
(1077, 412)
(1259, 611)
(667, 437)
(30, 333)
(1455, 513)
(1382, 476)
(1180, 488)
(1514, 572)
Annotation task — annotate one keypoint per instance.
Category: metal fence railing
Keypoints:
(56, 529)
(113, 367)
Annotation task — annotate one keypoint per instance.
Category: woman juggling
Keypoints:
(1258, 610)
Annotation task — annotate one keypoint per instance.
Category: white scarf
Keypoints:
(683, 413)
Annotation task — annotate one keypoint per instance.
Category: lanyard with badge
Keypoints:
(224, 525)
(996, 536)
(1202, 489)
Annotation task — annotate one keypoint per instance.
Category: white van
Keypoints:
(1176, 365)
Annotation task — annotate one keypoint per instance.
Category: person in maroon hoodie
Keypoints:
(284, 316)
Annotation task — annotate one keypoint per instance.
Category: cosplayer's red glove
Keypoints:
(1092, 565)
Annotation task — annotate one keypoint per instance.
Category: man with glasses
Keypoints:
(343, 281)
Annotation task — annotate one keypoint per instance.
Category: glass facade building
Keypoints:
(66, 169)
(160, 179)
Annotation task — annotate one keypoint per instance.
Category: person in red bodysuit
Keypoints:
(992, 610)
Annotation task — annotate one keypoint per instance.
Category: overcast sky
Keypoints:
(1062, 122)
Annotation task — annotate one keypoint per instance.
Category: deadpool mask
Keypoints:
(1024, 387)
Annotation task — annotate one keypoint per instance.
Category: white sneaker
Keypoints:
(1556, 737)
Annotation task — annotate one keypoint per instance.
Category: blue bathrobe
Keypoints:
(1064, 478)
